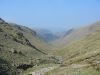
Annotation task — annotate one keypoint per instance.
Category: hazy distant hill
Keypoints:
(76, 34)
(46, 35)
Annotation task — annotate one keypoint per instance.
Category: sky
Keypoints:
(55, 15)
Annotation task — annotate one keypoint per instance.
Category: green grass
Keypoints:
(21, 52)
(84, 51)
(82, 48)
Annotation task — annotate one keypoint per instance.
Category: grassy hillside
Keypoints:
(86, 45)
(21, 47)
(81, 57)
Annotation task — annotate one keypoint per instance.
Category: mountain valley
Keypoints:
(24, 51)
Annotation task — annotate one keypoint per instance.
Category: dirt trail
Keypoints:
(79, 65)
(42, 71)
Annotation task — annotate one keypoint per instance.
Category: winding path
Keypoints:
(42, 71)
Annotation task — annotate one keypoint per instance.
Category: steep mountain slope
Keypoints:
(33, 37)
(81, 57)
(76, 34)
(21, 46)
(87, 45)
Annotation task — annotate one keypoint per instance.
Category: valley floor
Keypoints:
(40, 70)
(74, 69)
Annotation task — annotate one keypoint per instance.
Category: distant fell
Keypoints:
(76, 34)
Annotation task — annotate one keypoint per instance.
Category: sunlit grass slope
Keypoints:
(81, 57)
(21, 47)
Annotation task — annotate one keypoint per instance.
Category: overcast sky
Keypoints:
(54, 15)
